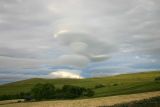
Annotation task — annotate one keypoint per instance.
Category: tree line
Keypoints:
(49, 91)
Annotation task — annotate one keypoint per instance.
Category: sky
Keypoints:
(78, 38)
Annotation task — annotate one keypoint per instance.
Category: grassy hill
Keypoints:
(113, 85)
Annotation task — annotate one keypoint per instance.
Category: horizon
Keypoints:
(77, 38)
(104, 76)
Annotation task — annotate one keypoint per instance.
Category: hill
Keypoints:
(113, 85)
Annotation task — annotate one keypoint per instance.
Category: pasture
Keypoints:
(93, 102)
(113, 85)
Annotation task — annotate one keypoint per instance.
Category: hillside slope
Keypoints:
(114, 85)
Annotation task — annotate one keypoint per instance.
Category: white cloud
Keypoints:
(65, 74)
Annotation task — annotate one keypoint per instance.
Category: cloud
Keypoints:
(65, 74)
(84, 44)
(79, 47)
(73, 60)
(85, 40)
(98, 58)
(78, 34)
(21, 63)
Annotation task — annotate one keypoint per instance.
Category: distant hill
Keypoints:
(103, 86)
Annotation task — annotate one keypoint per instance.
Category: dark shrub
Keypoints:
(75, 91)
(99, 86)
(48, 91)
(4, 97)
(72, 91)
(19, 101)
(27, 96)
(89, 92)
(115, 84)
(43, 91)
(10, 97)
(157, 79)
(59, 94)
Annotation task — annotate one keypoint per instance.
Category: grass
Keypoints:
(93, 102)
(5, 102)
(125, 84)
(150, 102)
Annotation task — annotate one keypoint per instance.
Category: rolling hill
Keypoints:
(113, 85)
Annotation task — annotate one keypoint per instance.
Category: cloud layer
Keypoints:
(95, 37)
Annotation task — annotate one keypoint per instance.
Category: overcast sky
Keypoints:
(78, 38)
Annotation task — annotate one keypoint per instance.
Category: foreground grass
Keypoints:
(125, 84)
(150, 102)
(94, 102)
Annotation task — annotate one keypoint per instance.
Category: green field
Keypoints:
(91, 102)
(114, 85)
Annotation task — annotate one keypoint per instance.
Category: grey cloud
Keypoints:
(73, 60)
(17, 77)
(96, 30)
(86, 44)
(11, 62)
